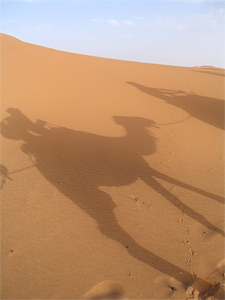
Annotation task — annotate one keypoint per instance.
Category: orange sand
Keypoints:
(112, 177)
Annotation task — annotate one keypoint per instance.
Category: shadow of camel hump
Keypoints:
(77, 163)
(206, 109)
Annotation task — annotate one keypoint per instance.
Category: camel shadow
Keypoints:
(77, 163)
(207, 109)
(211, 72)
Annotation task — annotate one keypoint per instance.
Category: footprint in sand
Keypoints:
(105, 290)
(218, 274)
(212, 291)
(169, 288)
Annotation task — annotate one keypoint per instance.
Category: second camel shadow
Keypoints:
(78, 163)
(207, 109)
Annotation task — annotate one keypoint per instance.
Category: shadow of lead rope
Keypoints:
(172, 123)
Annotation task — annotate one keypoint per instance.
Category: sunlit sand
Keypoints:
(111, 177)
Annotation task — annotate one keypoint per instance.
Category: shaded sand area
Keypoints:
(112, 177)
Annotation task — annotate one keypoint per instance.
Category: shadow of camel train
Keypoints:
(207, 109)
(77, 163)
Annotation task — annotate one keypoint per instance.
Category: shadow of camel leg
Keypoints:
(186, 186)
(174, 200)
(109, 226)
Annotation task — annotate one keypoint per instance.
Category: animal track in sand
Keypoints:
(214, 289)
(187, 243)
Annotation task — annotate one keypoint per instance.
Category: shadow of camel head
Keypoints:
(135, 122)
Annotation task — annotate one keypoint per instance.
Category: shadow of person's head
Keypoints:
(18, 127)
(15, 125)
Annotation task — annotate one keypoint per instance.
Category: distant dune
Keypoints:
(208, 67)
(112, 177)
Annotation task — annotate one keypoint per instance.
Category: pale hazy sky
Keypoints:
(178, 32)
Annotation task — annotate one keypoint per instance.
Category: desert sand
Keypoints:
(111, 177)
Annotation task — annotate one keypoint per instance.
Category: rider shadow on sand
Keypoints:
(77, 163)
(207, 109)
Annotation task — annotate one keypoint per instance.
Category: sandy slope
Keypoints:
(111, 171)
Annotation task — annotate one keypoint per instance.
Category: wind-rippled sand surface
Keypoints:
(111, 179)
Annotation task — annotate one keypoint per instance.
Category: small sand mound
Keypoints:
(105, 290)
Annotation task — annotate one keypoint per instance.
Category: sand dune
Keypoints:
(111, 177)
